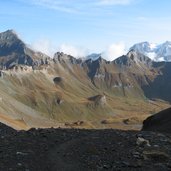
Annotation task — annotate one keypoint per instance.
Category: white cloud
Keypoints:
(45, 46)
(72, 50)
(115, 2)
(48, 47)
(114, 51)
(75, 6)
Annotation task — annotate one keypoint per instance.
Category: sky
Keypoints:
(81, 27)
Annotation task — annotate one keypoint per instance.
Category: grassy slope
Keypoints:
(32, 98)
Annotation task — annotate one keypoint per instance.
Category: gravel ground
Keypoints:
(74, 150)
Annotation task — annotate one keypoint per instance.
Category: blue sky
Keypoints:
(83, 26)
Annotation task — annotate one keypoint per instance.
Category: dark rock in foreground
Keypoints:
(75, 150)
(160, 122)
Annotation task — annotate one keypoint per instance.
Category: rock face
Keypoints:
(160, 122)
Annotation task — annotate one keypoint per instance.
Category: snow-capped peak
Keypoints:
(157, 52)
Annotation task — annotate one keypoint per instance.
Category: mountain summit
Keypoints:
(13, 51)
(10, 43)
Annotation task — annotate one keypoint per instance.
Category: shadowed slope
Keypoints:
(160, 122)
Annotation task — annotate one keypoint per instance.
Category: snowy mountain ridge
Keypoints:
(157, 52)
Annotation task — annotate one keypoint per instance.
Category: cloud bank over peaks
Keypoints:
(46, 46)
(114, 51)
(75, 51)
(49, 48)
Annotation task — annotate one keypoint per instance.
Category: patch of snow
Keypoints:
(151, 55)
(157, 52)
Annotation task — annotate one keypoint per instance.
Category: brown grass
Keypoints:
(16, 124)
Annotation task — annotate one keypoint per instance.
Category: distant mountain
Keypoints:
(157, 52)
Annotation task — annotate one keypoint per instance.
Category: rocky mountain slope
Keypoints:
(39, 91)
(74, 149)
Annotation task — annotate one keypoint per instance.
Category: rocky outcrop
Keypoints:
(99, 100)
(64, 58)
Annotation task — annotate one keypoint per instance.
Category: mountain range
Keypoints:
(63, 91)
(156, 52)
